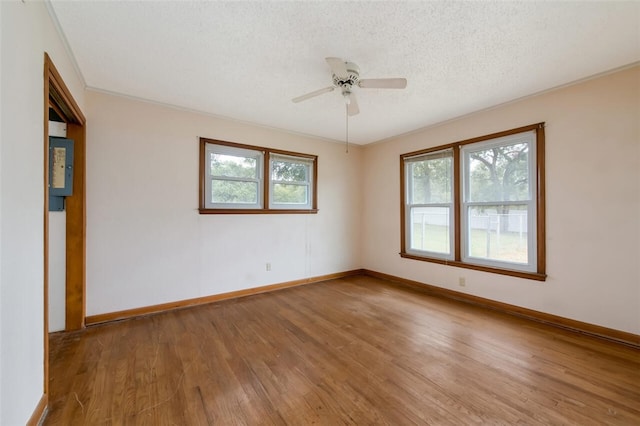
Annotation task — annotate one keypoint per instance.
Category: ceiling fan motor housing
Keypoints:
(345, 82)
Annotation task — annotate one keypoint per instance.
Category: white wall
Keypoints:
(26, 33)
(57, 270)
(593, 203)
(1, 144)
(146, 242)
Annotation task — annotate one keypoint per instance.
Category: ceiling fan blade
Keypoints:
(338, 66)
(383, 83)
(352, 107)
(313, 94)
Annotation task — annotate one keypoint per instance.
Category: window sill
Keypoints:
(258, 211)
(520, 274)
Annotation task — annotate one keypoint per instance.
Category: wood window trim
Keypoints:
(540, 274)
(265, 180)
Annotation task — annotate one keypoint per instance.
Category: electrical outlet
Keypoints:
(462, 282)
(268, 266)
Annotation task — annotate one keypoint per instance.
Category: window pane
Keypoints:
(430, 229)
(498, 233)
(289, 194)
(225, 191)
(431, 181)
(499, 174)
(288, 171)
(234, 166)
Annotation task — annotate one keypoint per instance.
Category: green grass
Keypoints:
(508, 246)
(430, 238)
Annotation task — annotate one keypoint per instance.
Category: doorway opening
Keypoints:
(59, 104)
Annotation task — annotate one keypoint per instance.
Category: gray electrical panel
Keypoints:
(60, 171)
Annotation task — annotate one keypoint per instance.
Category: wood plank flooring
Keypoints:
(357, 350)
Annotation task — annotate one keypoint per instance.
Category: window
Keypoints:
(478, 203)
(430, 203)
(291, 180)
(498, 202)
(237, 178)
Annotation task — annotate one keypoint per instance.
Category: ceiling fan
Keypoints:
(346, 76)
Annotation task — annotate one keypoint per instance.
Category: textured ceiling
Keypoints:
(247, 60)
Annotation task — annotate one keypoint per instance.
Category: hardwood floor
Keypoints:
(357, 350)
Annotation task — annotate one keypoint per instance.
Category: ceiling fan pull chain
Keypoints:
(346, 110)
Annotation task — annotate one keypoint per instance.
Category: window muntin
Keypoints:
(429, 207)
(496, 214)
(291, 182)
(237, 178)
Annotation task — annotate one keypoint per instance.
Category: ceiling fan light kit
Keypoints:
(346, 76)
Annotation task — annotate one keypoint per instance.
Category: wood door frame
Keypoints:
(58, 97)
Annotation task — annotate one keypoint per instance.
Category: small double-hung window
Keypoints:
(291, 184)
(237, 178)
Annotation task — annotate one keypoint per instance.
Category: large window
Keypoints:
(430, 204)
(237, 178)
(478, 203)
